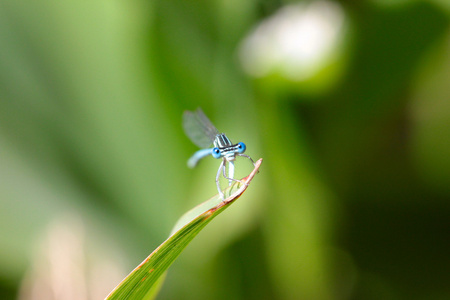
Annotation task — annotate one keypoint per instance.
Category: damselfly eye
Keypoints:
(215, 152)
(241, 147)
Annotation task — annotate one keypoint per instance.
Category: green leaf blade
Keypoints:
(144, 281)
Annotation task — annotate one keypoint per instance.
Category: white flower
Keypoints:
(295, 42)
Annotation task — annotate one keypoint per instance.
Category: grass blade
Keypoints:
(144, 281)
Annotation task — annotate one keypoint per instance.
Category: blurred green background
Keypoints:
(347, 102)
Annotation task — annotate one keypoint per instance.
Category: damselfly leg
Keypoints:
(217, 179)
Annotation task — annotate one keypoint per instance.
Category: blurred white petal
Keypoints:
(296, 41)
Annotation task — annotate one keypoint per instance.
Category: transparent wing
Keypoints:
(199, 128)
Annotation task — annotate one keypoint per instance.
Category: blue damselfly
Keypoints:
(204, 134)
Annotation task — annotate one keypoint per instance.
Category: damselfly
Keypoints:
(204, 134)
